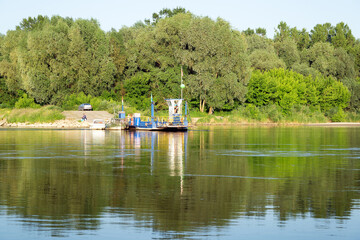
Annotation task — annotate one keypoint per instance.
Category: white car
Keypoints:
(85, 107)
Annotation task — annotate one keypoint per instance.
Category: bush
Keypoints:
(305, 114)
(287, 88)
(353, 117)
(25, 102)
(336, 114)
(73, 101)
(273, 113)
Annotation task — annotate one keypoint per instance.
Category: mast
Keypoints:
(181, 83)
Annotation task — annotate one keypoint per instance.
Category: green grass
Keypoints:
(41, 115)
(268, 114)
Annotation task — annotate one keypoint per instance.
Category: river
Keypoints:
(208, 183)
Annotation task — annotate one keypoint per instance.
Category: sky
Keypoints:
(240, 14)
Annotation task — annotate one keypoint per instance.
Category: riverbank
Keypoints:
(56, 124)
(75, 124)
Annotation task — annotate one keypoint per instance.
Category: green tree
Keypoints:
(342, 36)
(164, 13)
(215, 55)
(322, 33)
(138, 90)
(344, 64)
(301, 38)
(355, 52)
(305, 70)
(287, 89)
(256, 42)
(261, 31)
(264, 60)
(33, 23)
(282, 32)
(354, 87)
(287, 51)
(320, 57)
(249, 32)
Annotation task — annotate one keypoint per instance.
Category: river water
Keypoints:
(208, 183)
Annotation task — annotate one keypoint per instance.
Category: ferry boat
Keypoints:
(176, 122)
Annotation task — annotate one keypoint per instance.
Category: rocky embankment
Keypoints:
(72, 120)
(57, 124)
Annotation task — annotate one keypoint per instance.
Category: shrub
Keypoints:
(273, 112)
(25, 102)
(336, 114)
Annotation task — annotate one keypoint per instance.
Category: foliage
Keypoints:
(51, 58)
(138, 89)
(287, 88)
(67, 62)
(73, 101)
(354, 87)
(305, 114)
(7, 99)
(164, 13)
(336, 114)
(264, 60)
(256, 42)
(25, 102)
(287, 51)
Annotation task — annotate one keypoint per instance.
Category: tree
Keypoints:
(117, 51)
(264, 60)
(355, 52)
(282, 32)
(164, 13)
(342, 36)
(36, 23)
(329, 61)
(287, 51)
(322, 33)
(287, 88)
(256, 42)
(249, 32)
(344, 64)
(261, 31)
(215, 56)
(301, 38)
(305, 70)
(354, 87)
(320, 57)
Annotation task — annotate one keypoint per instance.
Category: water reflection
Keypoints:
(178, 184)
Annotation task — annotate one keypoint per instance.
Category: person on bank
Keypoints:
(84, 118)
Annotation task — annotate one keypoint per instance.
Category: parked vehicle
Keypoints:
(85, 107)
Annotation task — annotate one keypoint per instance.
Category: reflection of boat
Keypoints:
(176, 122)
(98, 124)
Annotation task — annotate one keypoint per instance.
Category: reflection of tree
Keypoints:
(227, 174)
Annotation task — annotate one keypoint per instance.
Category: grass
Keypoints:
(268, 114)
(29, 115)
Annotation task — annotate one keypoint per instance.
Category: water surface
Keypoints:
(211, 183)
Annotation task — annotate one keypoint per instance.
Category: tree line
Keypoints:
(49, 59)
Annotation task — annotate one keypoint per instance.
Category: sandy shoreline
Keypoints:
(74, 124)
(57, 124)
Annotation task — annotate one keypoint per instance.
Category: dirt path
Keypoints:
(91, 115)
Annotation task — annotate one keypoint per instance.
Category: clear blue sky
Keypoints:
(240, 14)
